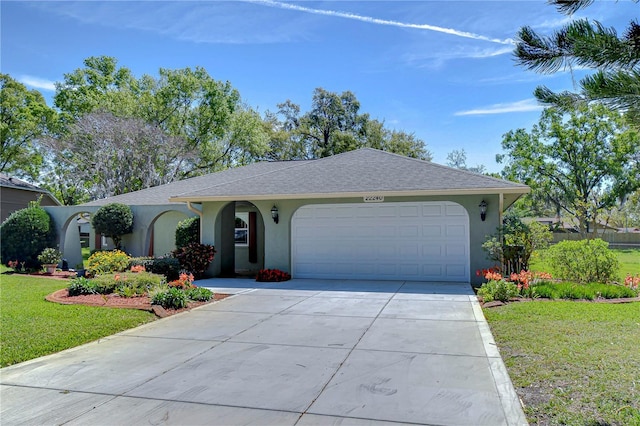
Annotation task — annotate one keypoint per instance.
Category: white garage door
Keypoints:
(420, 241)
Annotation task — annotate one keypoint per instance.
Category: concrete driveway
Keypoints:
(303, 352)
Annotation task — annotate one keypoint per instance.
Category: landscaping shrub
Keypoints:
(583, 261)
(113, 221)
(104, 262)
(104, 284)
(187, 232)
(81, 285)
(199, 294)
(25, 234)
(137, 283)
(498, 290)
(167, 266)
(272, 275)
(195, 257)
(514, 243)
(171, 298)
(577, 291)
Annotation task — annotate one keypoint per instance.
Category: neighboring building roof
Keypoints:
(15, 183)
(361, 172)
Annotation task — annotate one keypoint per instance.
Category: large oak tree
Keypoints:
(584, 162)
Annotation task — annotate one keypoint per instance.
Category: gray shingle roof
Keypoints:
(364, 171)
(12, 182)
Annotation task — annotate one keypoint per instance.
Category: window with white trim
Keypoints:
(242, 230)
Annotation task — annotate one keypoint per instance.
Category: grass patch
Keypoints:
(572, 363)
(86, 253)
(31, 327)
(629, 262)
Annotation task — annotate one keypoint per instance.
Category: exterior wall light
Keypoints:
(274, 214)
(483, 210)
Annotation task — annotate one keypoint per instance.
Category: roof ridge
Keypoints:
(301, 163)
(443, 166)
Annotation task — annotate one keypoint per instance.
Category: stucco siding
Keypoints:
(164, 232)
(277, 244)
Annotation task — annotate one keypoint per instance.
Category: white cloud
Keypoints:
(518, 106)
(434, 59)
(377, 21)
(37, 82)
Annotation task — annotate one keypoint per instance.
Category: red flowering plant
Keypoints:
(272, 275)
(184, 281)
(500, 288)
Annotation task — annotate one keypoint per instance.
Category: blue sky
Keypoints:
(443, 70)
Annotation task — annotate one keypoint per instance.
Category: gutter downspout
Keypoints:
(199, 213)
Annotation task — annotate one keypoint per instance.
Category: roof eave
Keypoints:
(475, 191)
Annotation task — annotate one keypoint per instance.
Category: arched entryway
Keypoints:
(240, 239)
(161, 234)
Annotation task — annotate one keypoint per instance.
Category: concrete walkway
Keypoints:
(303, 352)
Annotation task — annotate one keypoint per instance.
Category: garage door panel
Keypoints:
(431, 231)
(408, 211)
(455, 250)
(431, 251)
(386, 211)
(432, 210)
(386, 231)
(432, 270)
(413, 241)
(409, 231)
(456, 271)
(456, 230)
(455, 210)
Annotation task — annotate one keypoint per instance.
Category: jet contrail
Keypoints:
(377, 21)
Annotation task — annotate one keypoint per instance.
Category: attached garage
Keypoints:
(417, 241)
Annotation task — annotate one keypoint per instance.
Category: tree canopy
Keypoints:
(334, 125)
(584, 162)
(458, 160)
(113, 220)
(590, 44)
(111, 132)
(24, 118)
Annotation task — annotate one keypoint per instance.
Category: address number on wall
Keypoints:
(373, 198)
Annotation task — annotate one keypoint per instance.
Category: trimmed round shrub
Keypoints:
(105, 262)
(583, 261)
(113, 220)
(195, 258)
(187, 232)
(25, 234)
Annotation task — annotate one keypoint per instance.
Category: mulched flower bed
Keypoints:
(116, 301)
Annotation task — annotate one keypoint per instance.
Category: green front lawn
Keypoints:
(629, 262)
(574, 363)
(31, 327)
